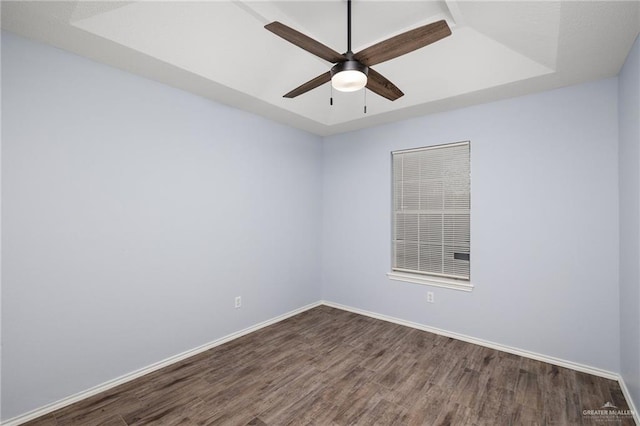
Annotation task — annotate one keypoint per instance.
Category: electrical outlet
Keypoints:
(238, 302)
(430, 297)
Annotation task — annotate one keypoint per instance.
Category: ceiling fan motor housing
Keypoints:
(349, 76)
(350, 65)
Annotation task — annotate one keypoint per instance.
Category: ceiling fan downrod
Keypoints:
(349, 27)
(349, 75)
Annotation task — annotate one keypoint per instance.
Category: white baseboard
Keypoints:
(627, 396)
(149, 369)
(504, 348)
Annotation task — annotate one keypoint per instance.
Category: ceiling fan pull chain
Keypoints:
(331, 97)
(365, 100)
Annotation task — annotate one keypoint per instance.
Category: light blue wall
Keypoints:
(629, 119)
(133, 214)
(544, 226)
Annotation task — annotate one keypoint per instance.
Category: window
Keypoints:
(431, 215)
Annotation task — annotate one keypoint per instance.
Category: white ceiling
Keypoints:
(220, 50)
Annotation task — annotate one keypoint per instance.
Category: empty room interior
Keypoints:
(324, 212)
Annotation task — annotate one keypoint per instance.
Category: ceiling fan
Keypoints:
(352, 71)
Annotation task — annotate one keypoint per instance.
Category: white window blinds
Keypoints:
(431, 210)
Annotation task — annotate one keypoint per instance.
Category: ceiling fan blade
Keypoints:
(311, 84)
(403, 43)
(377, 83)
(305, 42)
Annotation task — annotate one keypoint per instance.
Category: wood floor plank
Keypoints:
(277, 403)
(385, 413)
(97, 410)
(165, 411)
(331, 367)
(46, 420)
(432, 401)
(363, 399)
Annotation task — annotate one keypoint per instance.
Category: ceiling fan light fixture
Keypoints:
(349, 76)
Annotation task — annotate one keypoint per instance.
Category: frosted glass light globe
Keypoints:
(349, 80)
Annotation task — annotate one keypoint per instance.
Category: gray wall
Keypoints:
(544, 224)
(629, 119)
(133, 213)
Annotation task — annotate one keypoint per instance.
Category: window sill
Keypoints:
(432, 281)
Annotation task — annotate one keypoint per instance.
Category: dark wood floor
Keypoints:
(330, 367)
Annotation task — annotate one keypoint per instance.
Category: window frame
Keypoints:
(426, 278)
